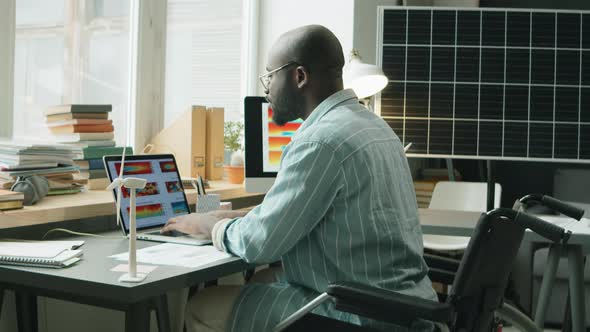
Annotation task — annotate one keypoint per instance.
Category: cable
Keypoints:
(80, 233)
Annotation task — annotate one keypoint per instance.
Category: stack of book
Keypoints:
(88, 128)
(439, 174)
(427, 181)
(53, 161)
(81, 125)
(424, 190)
(92, 167)
(11, 200)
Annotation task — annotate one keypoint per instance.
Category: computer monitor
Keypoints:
(265, 142)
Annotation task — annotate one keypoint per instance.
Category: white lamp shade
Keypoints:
(365, 79)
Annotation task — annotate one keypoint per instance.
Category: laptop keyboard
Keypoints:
(171, 233)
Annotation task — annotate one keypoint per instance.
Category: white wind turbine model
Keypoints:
(132, 184)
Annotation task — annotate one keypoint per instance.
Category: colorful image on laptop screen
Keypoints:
(163, 196)
(275, 138)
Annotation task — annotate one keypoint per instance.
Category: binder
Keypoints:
(185, 138)
(215, 148)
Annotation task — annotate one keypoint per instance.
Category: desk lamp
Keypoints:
(365, 79)
(132, 184)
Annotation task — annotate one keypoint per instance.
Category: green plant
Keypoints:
(233, 134)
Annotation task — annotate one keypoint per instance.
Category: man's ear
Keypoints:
(302, 76)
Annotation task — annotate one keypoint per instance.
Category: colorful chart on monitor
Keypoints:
(135, 167)
(275, 138)
(148, 211)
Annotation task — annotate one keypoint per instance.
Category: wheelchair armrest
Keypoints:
(442, 263)
(386, 305)
(441, 276)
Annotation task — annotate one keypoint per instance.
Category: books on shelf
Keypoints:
(54, 254)
(11, 200)
(20, 158)
(70, 129)
(425, 185)
(98, 184)
(78, 108)
(90, 164)
(64, 191)
(93, 174)
(72, 116)
(77, 137)
(85, 144)
(99, 152)
(11, 205)
(423, 189)
(7, 195)
(440, 174)
(80, 122)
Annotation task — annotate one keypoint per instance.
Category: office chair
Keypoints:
(477, 291)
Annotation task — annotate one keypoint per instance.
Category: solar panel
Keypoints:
(487, 83)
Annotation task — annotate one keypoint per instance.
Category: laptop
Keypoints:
(162, 198)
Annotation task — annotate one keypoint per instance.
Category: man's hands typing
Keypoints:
(199, 223)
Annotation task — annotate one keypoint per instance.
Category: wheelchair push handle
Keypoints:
(555, 204)
(545, 229)
(565, 208)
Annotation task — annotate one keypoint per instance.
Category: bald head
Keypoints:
(305, 68)
(313, 46)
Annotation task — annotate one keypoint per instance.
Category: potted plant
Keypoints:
(233, 136)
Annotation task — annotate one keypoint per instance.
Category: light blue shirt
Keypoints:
(342, 208)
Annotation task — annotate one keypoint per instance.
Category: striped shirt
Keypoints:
(342, 208)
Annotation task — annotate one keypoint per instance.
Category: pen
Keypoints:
(407, 147)
(196, 187)
(200, 183)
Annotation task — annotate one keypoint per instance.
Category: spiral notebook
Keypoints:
(54, 254)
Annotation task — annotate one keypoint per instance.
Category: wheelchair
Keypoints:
(476, 299)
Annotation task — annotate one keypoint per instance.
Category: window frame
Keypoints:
(147, 31)
(7, 44)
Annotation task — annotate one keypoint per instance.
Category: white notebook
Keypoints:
(53, 254)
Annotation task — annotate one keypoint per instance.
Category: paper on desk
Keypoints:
(140, 268)
(176, 254)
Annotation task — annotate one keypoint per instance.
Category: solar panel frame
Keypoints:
(466, 82)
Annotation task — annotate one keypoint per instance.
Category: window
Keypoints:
(203, 57)
(68, 52)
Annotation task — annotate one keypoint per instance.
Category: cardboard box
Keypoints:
(215, 147)
(185, 138)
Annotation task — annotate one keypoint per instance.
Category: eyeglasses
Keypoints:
(266, 78)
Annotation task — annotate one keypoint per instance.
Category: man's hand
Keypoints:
(199, 223)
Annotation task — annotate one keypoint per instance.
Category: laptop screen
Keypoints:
(163, 196)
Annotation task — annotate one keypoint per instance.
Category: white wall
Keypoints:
(279, 16)
(365, 27)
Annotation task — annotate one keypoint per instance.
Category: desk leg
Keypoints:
(1, 300)
(547, 284)
(162, 315)
(137, 317)
(177, 300)
(576, 281)
(26, 312)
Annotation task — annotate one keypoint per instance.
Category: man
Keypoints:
(343, 205)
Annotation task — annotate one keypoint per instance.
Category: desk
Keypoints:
(95, 203)
(91, 282)
(462, 223)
